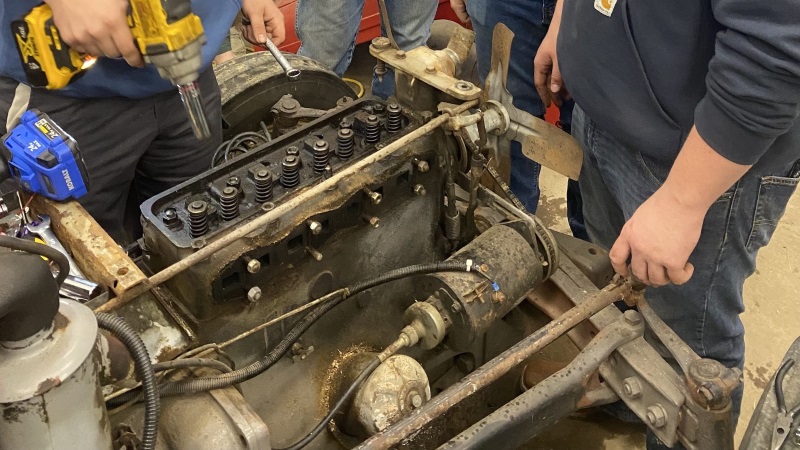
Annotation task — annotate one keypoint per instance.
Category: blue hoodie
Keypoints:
(114, 77)
(647, 71)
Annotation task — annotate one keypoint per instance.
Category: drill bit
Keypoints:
(193, 103)
(291, 72)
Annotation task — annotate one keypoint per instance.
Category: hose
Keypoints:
(239, 143)
(141, 359)
(39, 249)
(258, 367)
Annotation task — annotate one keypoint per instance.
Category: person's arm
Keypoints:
(96, 27)
(460, 8)
(753, 96)
(546, 74)
(266, 19)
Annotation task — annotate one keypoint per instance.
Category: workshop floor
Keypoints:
(772, 318)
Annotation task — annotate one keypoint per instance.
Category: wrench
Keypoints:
(42, 228)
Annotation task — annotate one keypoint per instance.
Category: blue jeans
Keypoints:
(529, 20)
(328, 28)
(615, 180)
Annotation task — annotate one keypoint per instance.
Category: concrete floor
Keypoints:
(772, 317)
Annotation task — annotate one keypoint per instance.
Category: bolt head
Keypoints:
(253, 266)
(430, 68)
(423, 166)
(632, 317)
(375, 198)
(233, 181)
(419, 190)
(416, 401)
(656, 416)
(632, 387)
(381, 42)
(254, 294)
(374, 222)
(315, 227)
(400, 54)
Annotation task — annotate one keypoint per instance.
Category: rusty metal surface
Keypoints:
(98, 256)
(491, 371)
(551, 400)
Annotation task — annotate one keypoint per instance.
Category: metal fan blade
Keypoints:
(545, 143)
(495, 84)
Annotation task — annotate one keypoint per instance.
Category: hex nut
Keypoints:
(254, 294)
(419, 190)
(656, 416)
(422, 166)
(315, 227)
(632, 317)
(632, 387)
(253, 265)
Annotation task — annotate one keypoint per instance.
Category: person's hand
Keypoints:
(460, 8)
(659, 238)
(96, 27)
(263, 18)
(546, 74)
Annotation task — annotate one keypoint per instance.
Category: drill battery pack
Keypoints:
(43, 159)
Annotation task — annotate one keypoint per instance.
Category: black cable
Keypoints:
(141, 359)
(779, 384)
(338, 406)
(258, 367)
(39, 249)
(191, 363)
(237, 144)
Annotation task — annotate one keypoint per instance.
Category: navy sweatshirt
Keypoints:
(652, 69)
(114, 77)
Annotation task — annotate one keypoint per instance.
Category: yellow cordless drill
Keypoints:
(167, 33)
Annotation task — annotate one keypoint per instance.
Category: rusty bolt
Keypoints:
(400, 54)
(430, 68)
(374, 197)
(381, 42)
(632, 317)
(416, 400)
(315, 227)
(254, 294)
(656, 416)
(422, 166)
(253, 265)
(373, 221)
(419, 190)
(632, 387)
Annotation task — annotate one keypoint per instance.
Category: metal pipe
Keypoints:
(302, 197)
(290, 71)
(497, 367)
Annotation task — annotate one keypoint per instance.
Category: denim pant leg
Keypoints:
(411, 28)
(327, 31)
(705, 311)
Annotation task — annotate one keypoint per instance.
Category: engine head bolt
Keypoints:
(171, 219)
(315, 227)
(233, 181)
(322, 155)
(292, 151)
(372, 221)
(372, 129)
(656, 416)
(374, 197)
(198, 218)
(419, 190)
(345, 143)
(229, 203)
(430, 68)
(394, 119)
(422, 166)
(632, 387)
(253, 265)
(254, 294)
(290, 171)
(263, 182)
(378, 108)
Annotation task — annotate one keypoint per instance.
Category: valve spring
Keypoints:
(394, 119)
(345, 143)
(263, 181)
(322, 155)
(290, 171)
(229, 203)
(198, 218)
(372, 129)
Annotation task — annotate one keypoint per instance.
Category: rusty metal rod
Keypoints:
(282, 208)
(497, 367)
